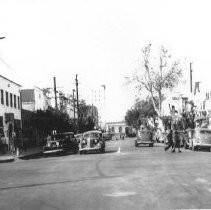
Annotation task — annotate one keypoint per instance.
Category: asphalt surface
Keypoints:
(125, 177)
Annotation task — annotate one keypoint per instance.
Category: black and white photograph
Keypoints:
(105, 104)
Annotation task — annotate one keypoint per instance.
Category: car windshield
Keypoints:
(61, 136)
(92, 135)
(205, 132)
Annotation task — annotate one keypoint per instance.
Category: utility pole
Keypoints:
(76, 83)
(74, 104)
(191, 78)
(55, 92)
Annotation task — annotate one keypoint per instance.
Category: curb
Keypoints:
(28, 155)
(7, 160)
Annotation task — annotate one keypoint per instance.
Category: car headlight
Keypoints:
(95, 141)
(84, 141)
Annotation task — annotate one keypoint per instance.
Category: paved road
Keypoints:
(129, 178)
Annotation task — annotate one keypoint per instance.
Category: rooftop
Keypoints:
(10, 80)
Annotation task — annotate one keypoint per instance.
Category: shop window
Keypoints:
(7, 98)
(15, 101)
(18, 102)
(11, 100)
(2, 97)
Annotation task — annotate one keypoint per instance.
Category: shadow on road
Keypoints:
(42, 155)
(58, 182)
(97, 153)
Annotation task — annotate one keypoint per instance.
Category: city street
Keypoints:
(125, 177)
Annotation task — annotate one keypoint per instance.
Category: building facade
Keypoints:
(34, 99)
(10, 108)
(116, 127)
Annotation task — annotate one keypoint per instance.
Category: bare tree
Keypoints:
(157, 75)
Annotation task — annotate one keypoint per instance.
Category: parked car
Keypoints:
(79, 137)
(144, 137)
(201, 139)
(92, 141)
(107, 136)
(61, 142)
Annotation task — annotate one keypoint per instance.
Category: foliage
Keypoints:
(157, 75)
(137, 115)
(87, 117)
(46, 121)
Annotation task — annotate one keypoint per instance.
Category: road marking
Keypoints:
(119, 150)
(201, 180)
(120, 194)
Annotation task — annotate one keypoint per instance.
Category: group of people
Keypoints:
(176, 128)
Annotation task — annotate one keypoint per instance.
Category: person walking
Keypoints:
(175, 128)
(170, 140)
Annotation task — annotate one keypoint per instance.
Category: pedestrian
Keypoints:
(170, 140)
(175, 128)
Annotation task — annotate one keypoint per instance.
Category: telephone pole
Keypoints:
(76, 83)
(55, 92)
(74, 104)
(191, 78)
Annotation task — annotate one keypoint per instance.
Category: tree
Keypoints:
(87, 116)
(155, 76)
(142, 110)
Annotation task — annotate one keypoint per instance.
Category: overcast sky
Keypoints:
(101, 41)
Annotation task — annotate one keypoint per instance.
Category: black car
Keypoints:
(61, 142)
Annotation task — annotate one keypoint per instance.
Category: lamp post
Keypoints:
(104, 87)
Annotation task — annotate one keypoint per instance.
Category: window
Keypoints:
(2, 97)
(7, 98)
(18, 102)
(15, 101)
(11, 100)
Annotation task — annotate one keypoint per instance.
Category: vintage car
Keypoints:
(144, 137)
(92, 141)
(107, 136)
(61, 142)
(79, 137)
(201, 138)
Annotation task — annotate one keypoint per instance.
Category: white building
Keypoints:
(116, 127)
(33, 99)
(10, 107)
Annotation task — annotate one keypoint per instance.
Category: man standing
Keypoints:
(175, 128)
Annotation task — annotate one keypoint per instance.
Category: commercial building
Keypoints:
(10, 108)
(34, 99)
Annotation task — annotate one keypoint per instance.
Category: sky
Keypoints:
(101, 41)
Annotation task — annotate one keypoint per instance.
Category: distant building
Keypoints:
(10, 108)
(116, 127)
(34, 99)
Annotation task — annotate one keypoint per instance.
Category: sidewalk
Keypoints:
(6, 158)
(10, 158)
(30, 151)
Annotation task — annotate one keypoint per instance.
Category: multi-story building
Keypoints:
(34, 99)
(10, 108)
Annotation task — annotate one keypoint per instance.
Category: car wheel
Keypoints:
(81, 152)
(136, 145)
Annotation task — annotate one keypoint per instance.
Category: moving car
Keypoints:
(61, 142)
(92, 141)
(201, 139)
(144, 137)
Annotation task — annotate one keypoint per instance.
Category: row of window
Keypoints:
(11, 99)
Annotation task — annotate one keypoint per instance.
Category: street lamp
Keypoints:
(104, 87)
